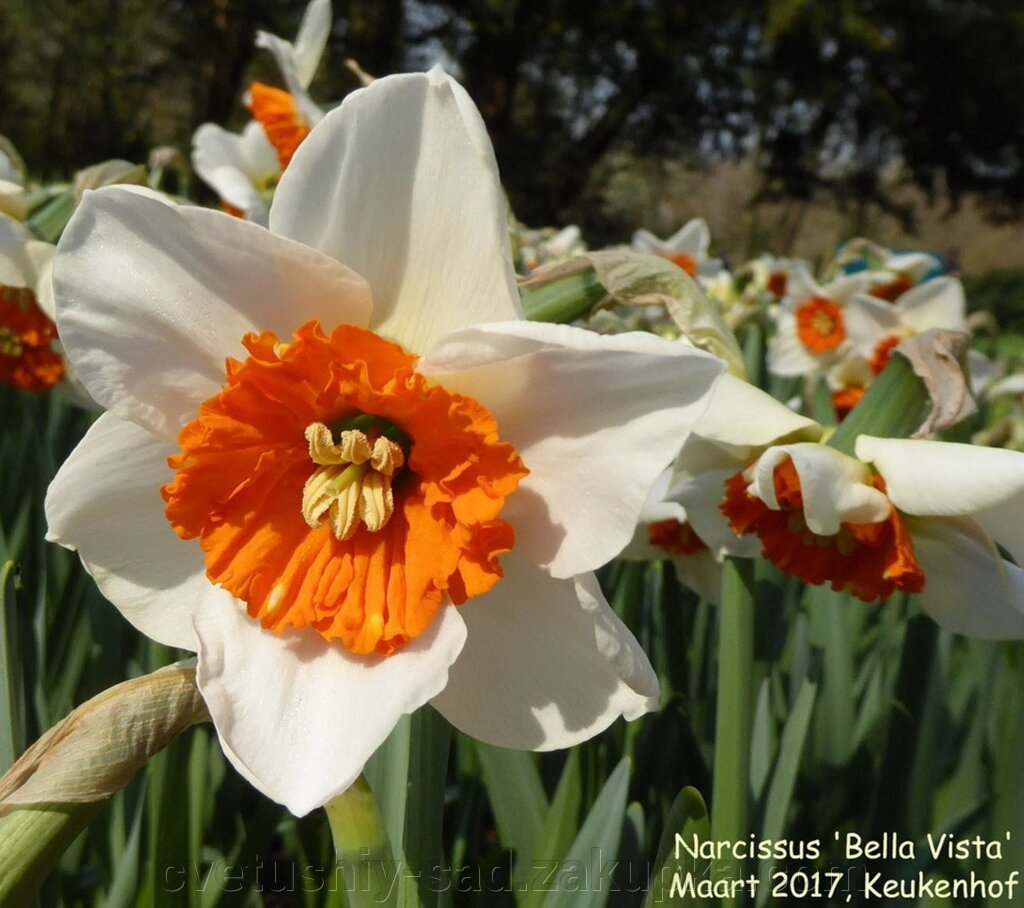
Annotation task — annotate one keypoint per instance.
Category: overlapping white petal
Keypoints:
(298, 716)
(546, 664)
(932, 478)
(155, 296)
(311, 39)
(105, 503)
(411, 201)
(969, 589)
(836, 487)
(236, 165)
(596, 420)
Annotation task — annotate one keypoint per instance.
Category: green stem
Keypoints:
(361, 847)
(33, 840)
(895, 406)
(564, 300)
(730, 805)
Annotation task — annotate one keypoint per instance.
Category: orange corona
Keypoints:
(27, 357)
(675, 537)
(845, 399)
(883, 350)
(275, 110)
(687, 262)
(333, 487)
(869, 560)
(819, 325)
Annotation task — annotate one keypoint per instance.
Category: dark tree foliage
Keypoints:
(825, 93)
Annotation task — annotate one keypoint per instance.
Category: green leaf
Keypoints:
(517, 798)
(687, 818)
(560, 828)
(780, 792)
(12, 718)
(407, 776)
(584, 870)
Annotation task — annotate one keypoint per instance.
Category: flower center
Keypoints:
(687, 262)
(675, 537)
(332, 487)
(352, 483)
(819, 325)
(276, 111)
(28, 359)
(869, 560)
(10, 345)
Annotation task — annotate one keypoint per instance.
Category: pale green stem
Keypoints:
(361, 847)
(32, 840)
(564, 300)
(730, 803)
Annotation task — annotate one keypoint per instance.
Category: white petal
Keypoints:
(938, 303)
(105, 502)
(1011, 384)
(311, 39)
(786, 354)
(251, 154)
(914, 264)
(834, 486)
(299, 717)
(801, 285)
(700, 497)
(692, 239)
(16, 269)
(287, 62)
(547, 663)
(740, 414)
(595, 419)
(645, 241)
(12, 200)
(942, 478)
(702, 573)
(152, 297)
(400, 184)
(258, 154)
(968, 588)
(869, 320)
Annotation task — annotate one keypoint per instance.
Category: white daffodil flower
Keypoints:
(241, 168)
(920, 516)
(683, 520)
(875, 326)
(30, 356)
(811, 324)
(396, 489)
(687, 247)
(288, 115)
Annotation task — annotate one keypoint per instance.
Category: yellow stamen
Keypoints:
(10, 345)
(352, 483)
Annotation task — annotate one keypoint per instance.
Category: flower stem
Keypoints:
(564, 300)
(895, 406)
(730, 803)
(361, 847)
(34, 838)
